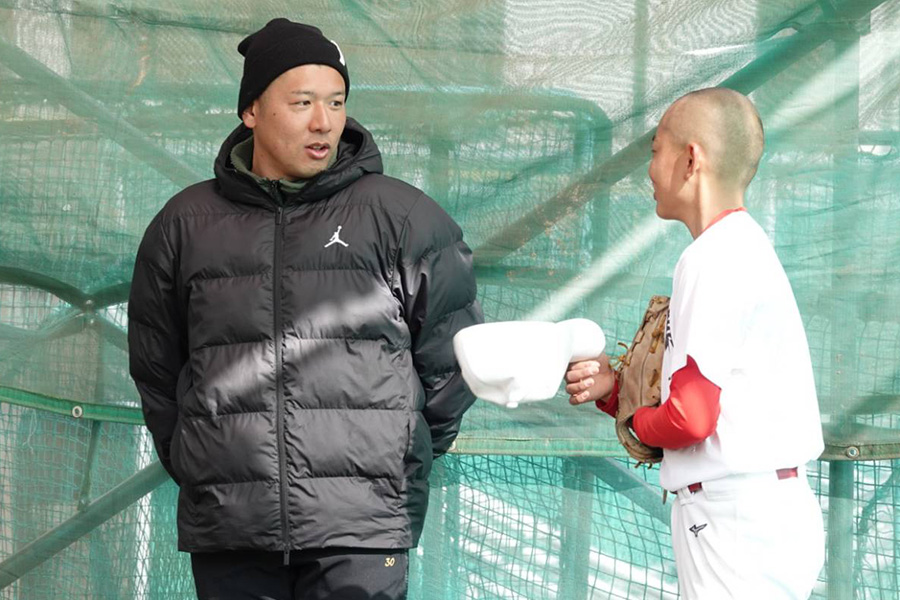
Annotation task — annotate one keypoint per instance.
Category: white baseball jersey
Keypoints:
(732, 309)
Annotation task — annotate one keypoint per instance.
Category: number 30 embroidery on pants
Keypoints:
(390, 561)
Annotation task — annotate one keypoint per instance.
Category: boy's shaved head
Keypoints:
(725, 123)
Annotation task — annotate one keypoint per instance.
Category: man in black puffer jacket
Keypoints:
(290, 336)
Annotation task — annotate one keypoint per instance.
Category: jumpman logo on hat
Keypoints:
(336, 238)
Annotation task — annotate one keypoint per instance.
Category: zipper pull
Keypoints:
(287, 556)
(276, 195)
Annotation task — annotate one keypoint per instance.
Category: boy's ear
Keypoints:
(695, 155)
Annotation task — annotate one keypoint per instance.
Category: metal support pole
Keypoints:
(84, 495)
(441, 554)
(640, 55)
(840, 530)
(451, 531)
(845, 341)
(895, 547)
(600, 147)
(576, 519)
(430, 572)
(624, 481)
(82, 523)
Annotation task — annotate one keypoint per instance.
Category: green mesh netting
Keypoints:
(529, 121)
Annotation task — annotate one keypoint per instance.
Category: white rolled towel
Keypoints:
(509, 362)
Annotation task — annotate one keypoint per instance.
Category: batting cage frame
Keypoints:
(538, 502)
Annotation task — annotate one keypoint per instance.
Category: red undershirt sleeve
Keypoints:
(689, 415)
(612, 404)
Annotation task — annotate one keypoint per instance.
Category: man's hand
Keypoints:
(590, 380)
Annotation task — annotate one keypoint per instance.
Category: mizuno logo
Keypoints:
(696, 529)
(336, 238)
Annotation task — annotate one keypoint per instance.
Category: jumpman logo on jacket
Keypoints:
(336, 238)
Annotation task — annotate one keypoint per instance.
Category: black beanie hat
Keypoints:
(280, 46)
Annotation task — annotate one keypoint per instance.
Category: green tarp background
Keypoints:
(529, 121)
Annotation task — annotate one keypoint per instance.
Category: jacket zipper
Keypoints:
(279, 370)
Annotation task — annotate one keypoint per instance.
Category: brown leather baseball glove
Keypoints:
(638, 374)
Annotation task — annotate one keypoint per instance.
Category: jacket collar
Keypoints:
(357, 155)
(242, 160)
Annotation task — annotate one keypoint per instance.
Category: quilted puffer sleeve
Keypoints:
(434, 271)
(157, 336)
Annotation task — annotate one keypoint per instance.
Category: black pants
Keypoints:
(334, 574)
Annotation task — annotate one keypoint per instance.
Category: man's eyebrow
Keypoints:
(313, 94)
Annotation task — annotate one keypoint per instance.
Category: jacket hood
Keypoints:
(357, 155)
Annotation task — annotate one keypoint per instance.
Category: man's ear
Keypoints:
(249, 114)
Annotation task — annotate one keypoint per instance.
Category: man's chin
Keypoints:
(308, 172)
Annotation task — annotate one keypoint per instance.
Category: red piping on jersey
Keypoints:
(722, 215)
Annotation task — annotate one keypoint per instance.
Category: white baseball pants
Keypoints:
(748, 536)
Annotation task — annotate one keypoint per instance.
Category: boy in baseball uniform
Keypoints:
(745, 523)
